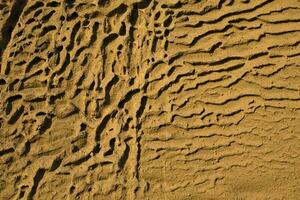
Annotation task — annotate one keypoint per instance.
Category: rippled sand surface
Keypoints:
(149, 99)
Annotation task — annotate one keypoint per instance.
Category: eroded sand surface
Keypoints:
(149, 99)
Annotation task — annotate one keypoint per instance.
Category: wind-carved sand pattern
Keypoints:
(148, 99)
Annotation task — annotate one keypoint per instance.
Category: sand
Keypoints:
(149, 99)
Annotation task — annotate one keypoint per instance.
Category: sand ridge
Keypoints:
(147, 99)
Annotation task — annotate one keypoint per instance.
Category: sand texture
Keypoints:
(149, 99)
